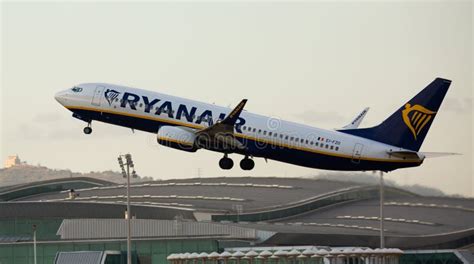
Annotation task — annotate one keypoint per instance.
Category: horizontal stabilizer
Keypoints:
(405, 154)
(357, 120)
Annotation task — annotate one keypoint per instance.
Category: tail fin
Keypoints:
(408, 126)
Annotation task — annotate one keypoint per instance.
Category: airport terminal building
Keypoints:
(230, 214)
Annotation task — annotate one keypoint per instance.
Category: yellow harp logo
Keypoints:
(416, 117)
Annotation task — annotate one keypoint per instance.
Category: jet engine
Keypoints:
(177, 137)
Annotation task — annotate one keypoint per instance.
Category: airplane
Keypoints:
(189, 125)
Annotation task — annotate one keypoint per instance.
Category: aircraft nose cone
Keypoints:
(60, 97)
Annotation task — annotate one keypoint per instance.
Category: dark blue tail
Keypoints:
(408, 126)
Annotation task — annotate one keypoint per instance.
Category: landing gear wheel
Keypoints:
(226, 163)
(87, 130)
(247, 164)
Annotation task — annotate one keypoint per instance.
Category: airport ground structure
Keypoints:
(232, 214)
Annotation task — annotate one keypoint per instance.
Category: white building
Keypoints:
(12, 161)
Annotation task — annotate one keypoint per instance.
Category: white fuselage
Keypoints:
(263, 136)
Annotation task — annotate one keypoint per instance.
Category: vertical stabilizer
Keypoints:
(409, 125)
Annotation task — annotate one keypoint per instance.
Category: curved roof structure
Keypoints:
(296, 211)
(218, 195)
(21, 191)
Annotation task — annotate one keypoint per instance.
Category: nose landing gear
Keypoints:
(88, 129)
(226, 163)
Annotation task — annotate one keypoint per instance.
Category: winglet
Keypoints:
(357, 120)
(234, 114)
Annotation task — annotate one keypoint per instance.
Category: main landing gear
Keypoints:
(226, 163)
(247, 164)
(88, 129)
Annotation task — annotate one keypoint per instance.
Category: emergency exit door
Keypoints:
(357, 153)
(97, 95)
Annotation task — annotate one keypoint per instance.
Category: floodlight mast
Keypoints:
(126, 174)
(382, 204)
(34, 244)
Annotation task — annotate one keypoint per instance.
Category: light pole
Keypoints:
(382, 238)
(126, 174)
(34, 244)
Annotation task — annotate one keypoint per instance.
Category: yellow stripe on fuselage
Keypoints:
(195, 126)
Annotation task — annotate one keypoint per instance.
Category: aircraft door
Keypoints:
(97, 95)
(357, 153)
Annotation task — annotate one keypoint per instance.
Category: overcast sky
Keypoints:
(316, 63)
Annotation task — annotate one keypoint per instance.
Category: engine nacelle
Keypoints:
(177, 137)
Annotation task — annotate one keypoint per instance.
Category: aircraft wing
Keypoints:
(222, 132)
(357, 120)
(438, 154)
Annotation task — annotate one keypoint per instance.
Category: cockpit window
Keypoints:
(77, 89)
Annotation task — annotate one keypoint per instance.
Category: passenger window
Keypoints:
(311, 142)
(254, 130)
(302, 140)
(264, 132)
(337, 148)
(275, 135)
(259, 131)
(317, 144)
(306, 141)
(331, 147)
(286, 137)
(270, 133)
(327, 146)
(291, 138)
